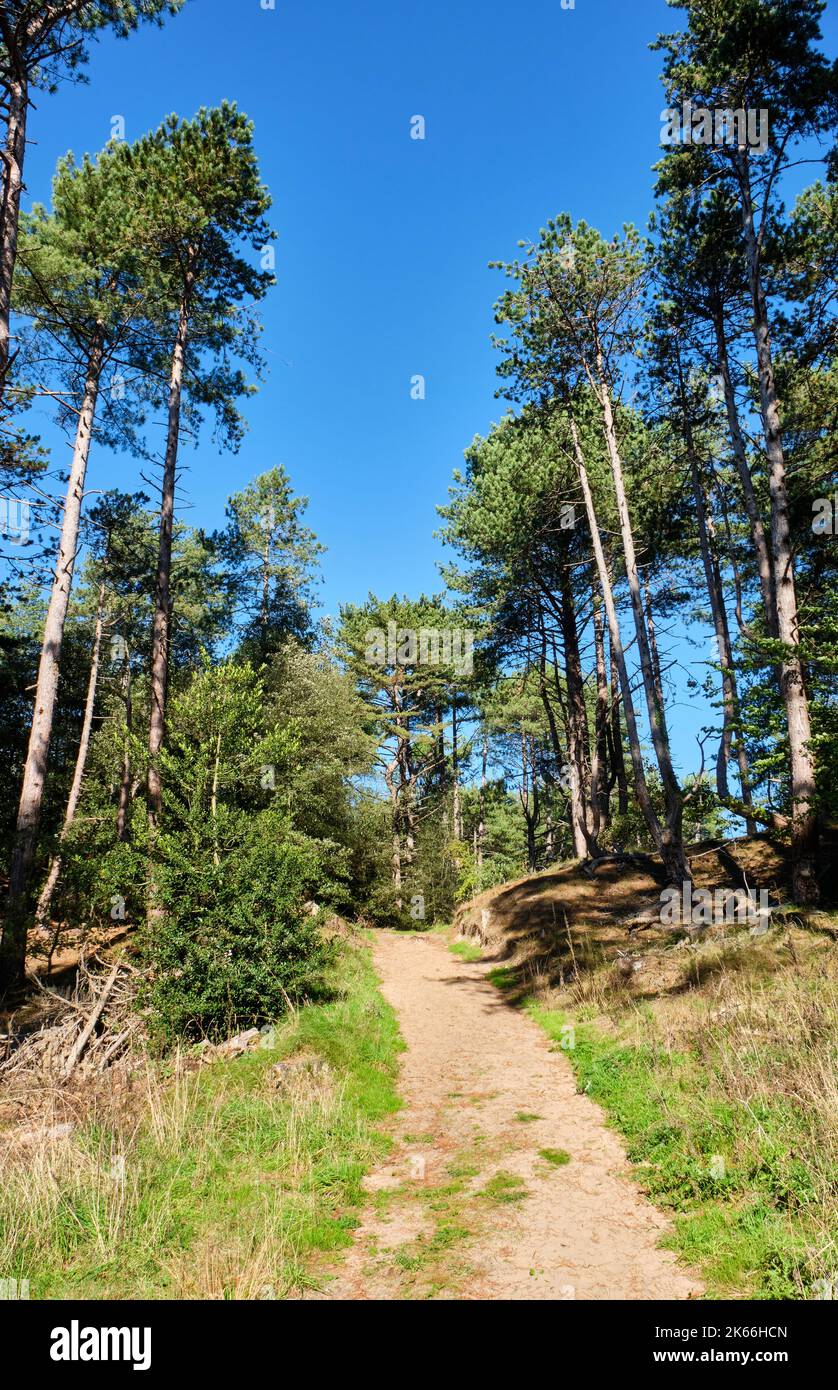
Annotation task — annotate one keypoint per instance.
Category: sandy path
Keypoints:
(472, 1064)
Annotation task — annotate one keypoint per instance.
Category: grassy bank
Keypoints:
(210, 1182)
(725, 1089)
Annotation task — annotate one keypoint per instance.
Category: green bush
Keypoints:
(233, 945)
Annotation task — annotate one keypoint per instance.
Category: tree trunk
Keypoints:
(123, 814)
(577, 724)
(563, 756)
(389, 778)
(481, 816)
(17, 100)
(615, 736)
(599, 765)
(45, 900)
(528, 778)
(721, 627)
(162, 605)
(730, 691)
(653, 643)
(409, 823)
(670, 847)
(804, 827)
(455, 771)
(713, 581)
(13, 947)
(763, 556)
(397, 864)
(439, 719)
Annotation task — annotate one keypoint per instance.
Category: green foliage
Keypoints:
(557, 1158)
(194, 212)
(47, 41)
(466, 950)
(332, 745)
(230, 943)
(233, 946)
(716, 1146)
(504, 1188)
(271, 558)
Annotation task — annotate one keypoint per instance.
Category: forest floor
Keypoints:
(591, 1104)
(504, 1182)
(601, 1105)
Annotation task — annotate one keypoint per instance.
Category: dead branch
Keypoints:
(82, 1040)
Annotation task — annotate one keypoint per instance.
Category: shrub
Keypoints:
(232, 946)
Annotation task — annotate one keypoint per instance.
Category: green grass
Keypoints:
(502, 977)
(463, 1168)
(503, 1188)
(745, 1207)
(557, 1157)
(525, 1117)
(731, 1125)
(466, 950)
(230, 1189)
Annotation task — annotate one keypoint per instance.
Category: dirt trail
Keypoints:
(476, 1074)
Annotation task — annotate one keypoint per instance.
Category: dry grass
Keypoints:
(716, 1056)
(190, 1180)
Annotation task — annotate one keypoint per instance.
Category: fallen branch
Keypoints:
(117, 1044)
(84, 1036)
(54, 995)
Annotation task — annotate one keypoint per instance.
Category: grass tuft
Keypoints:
(504, 1187)
(558, 1157)
(466, 950)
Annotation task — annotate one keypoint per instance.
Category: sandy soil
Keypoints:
(473, 1063)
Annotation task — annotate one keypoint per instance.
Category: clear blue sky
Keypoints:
(384, 240)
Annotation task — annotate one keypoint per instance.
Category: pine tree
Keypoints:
(760, 59)
(78, 282)
(575, 320)
(271, 556)
(203, 206)
(42, 41)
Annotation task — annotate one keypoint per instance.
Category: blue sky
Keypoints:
(384, 240)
